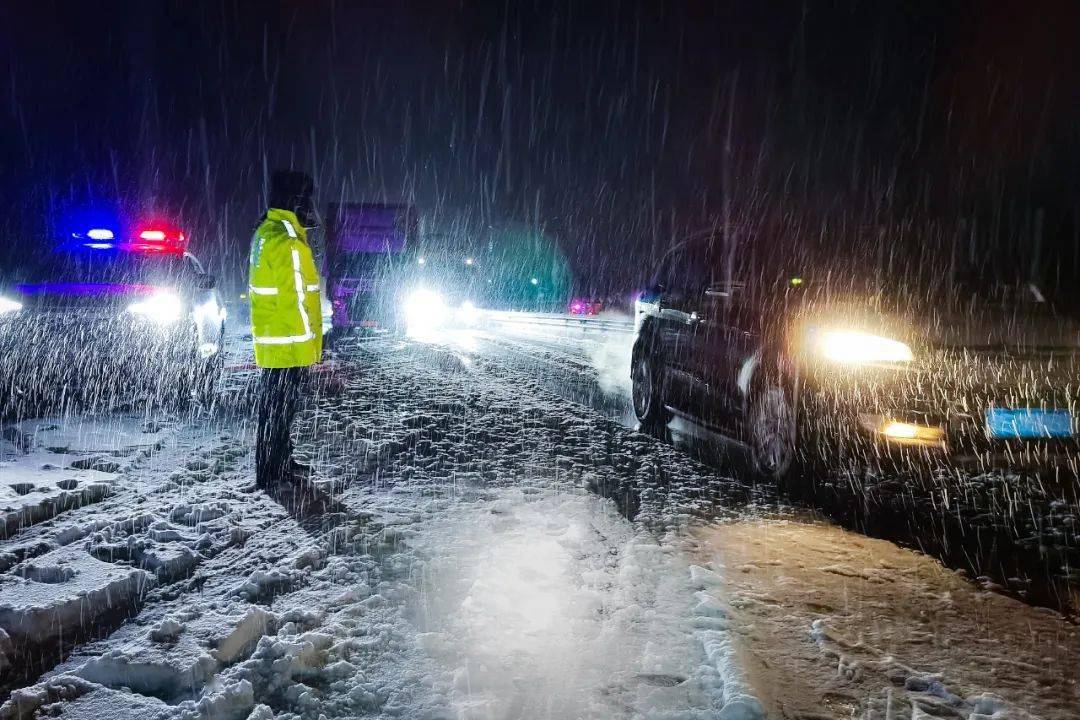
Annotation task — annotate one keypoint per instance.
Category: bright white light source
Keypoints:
(859, 348)
(468, 314)
(421, 260)
(535, 281)
(162, 308)
(9, 306)
(100, 234)
(425, 310)
(468, 261)
(157, 235)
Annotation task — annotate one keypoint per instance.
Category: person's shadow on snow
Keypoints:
(314, 509)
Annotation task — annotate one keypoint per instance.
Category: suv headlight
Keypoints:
(160, 308)
(7, 305)
(852, 347)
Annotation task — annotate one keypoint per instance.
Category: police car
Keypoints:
(107, 311)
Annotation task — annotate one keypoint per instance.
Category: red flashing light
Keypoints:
(158, 238)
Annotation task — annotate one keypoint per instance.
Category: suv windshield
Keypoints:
(103, 266)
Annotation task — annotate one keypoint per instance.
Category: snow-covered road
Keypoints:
(474, 567)
(1019, 531)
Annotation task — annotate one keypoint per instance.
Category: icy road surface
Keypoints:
(473, 567)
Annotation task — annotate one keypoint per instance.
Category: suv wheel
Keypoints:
(647, 391)
(209, 376)
(772, 424)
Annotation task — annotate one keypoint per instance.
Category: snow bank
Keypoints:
(736, 699)
(240, 641)
(51, 466)
(168, 674)
(63, 593)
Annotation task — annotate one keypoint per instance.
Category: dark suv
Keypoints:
(831, 371)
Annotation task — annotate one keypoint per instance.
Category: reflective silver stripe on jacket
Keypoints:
(262, 290)
(300, 293)
(283, 339)
(312, 288)
(289, 228)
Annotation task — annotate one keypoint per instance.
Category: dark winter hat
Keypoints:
(290, 190)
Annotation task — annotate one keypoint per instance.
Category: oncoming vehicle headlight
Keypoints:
(160, 308)
(467, 314)
(424, 310)
(7, 305)
(852, 347)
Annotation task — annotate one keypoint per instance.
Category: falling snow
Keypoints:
(689, 360)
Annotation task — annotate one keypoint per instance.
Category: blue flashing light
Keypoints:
(93, 227)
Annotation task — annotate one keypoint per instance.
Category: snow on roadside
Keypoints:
(836, 624)
(51, 465)
(275, 618)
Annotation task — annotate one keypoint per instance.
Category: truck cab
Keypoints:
(366, 256)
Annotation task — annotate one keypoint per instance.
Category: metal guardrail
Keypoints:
(584, 323)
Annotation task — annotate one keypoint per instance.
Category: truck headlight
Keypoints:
(160, 308)
(7, 305)
(424, 310)
(859, 348)
(467, 314)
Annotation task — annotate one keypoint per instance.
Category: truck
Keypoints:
(367, 254)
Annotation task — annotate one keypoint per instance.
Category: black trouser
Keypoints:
(279, 395)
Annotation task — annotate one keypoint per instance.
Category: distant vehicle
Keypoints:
(443, 289)
(585, 306)
(366, 259)
(108, 310)
(815, 375)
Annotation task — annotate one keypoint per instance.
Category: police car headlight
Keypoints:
(161, 308)
(8, 305)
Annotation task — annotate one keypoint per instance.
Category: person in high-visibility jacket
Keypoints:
(286, 320)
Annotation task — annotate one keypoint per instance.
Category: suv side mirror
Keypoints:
(652, 292)
(207, 282)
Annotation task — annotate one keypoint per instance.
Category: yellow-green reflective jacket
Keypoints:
(283, 287)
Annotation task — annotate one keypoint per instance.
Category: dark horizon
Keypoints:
(938, 125)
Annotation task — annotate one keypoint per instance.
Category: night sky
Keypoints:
(951, 126)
